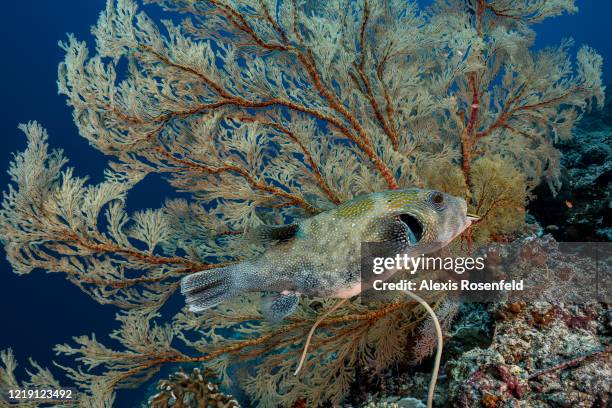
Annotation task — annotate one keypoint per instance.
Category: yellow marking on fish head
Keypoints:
(399, 199)
(356, 207)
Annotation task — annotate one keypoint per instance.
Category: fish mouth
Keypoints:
(472, 217)
(414, 225)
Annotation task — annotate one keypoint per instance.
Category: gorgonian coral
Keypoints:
(264, 111)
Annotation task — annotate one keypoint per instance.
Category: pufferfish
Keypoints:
(321, 256)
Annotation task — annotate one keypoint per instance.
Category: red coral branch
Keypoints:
(367, 88)
(362, 35)
(569, 363)
(231, 100)
(141, 256)
(467, 136)
(238, 346)
(390, 111)
(273, 22)
(275, 191)
(238, 21)
(308, 62)
(212, 84)
(508, 111)
(187, 266)
(309, 159)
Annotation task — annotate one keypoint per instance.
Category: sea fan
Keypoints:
(267, 111)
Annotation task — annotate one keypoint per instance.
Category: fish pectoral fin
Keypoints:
(388, 230)
(268, 233)
(277, 308)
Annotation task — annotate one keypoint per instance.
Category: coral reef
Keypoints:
(581, 209)
(194, 390)
(261, 112)
(545, 350)
(539, 362)
(562, 363)
(396, 403)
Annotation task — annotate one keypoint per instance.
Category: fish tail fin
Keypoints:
(206, 289)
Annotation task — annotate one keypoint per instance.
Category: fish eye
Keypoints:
(437, 201)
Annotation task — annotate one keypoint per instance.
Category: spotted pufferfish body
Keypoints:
(321, 256)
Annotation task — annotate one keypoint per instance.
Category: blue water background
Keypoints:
(40, 310)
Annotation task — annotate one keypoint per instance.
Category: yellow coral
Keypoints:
(499, 195)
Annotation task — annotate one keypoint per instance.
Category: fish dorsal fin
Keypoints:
(269, 233)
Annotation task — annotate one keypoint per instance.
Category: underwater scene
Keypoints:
(296, 203)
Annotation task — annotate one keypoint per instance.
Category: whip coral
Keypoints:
(264, 111)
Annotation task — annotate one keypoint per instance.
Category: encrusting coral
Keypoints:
(546, 346)
(264, 111)
(583, 200)
(182, 390)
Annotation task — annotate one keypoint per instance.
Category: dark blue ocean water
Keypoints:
(40, 310)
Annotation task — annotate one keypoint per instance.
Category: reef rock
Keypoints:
(541, 349)
(542, 355)
(194, 390)
(581, 209)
